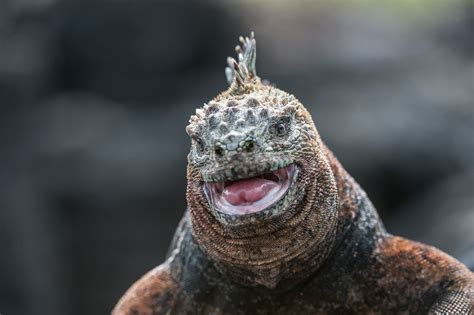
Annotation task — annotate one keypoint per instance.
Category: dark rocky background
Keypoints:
(95, 95)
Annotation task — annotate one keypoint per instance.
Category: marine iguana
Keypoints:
(275, 225)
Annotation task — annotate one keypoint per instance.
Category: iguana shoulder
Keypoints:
(155, 293)
(422, 275)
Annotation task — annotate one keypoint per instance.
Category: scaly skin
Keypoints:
(320, 249)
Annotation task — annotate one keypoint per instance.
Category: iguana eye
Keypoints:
(280, 128)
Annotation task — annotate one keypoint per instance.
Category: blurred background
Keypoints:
(95, 95)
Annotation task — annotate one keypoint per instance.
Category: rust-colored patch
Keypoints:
(415, 273)
(155, 293)
(404, 253)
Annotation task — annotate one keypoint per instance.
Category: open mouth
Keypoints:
(250, 195)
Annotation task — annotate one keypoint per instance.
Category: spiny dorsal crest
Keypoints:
(242, 72)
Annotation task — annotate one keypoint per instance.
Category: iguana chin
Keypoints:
(275, 225)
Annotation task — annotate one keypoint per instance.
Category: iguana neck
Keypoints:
(354, 221)
(357, 217)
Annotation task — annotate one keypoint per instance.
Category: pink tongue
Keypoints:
(247, 190)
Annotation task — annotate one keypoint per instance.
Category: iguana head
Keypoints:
(255, 172)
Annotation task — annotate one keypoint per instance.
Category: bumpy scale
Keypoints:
(275, 225)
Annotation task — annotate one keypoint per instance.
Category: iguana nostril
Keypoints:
(248, 146)
(218, 150)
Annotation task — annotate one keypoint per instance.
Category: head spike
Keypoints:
(243, 71)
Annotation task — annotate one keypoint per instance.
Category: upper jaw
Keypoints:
(240, 170)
